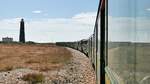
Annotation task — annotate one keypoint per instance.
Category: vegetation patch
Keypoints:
(42, 57)
(32, 61)
(7, 68)
(34, 78)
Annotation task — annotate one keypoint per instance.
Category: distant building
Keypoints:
(22, 32)
(7, 39)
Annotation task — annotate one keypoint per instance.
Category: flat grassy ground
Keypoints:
(42, 57)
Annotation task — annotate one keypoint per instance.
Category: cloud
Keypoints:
(46, 14)
(79, 26)
(85, 15)
(37, 11)
(148, 9)
(129, 29)
(87, 18)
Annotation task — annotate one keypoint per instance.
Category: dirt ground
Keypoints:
(44, 64)
(38, 57)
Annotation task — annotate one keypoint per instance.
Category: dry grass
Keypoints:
(33, 78)
(7, 68)
(37, 56)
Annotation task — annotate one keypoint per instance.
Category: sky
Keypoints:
(73, 20)
(48, 20)
(129, 20)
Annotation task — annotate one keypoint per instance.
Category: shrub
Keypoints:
(33, 78)
(7, 68)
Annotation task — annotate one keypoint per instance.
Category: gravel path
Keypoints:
(81, 69)
(78, 71)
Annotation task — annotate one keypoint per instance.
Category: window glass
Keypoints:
(129, 40)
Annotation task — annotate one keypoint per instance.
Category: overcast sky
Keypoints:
(48, 20)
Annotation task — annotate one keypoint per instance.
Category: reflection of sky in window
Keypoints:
(129, 20)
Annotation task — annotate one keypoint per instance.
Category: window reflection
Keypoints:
(129, 40)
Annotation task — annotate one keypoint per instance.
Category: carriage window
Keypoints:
(129, 40)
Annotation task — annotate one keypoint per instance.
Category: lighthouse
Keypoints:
(22, 31)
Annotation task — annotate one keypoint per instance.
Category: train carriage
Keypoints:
(119, 46)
